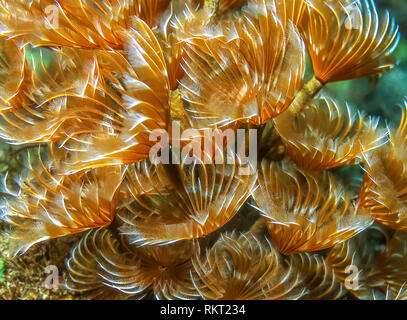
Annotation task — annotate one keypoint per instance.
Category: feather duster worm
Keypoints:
(171, 44)
(200, 199)
(383, 192)
(241, 268)
(185, 22)
(101, 119)
(378, 269)
(84, 266)
(354, 256)
(390, 270)
(294, 10)
(325, 135)
(396, 294)
(319, 277)
(70, 99)
(100, 263)
(145, 98)
(347, 40)
(304, 211)
(250, 73)
(94, 84)
(78, 23)
(48, 205)
(142, 178)
(85, 114)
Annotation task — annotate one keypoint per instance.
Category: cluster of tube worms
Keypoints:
(87, 82)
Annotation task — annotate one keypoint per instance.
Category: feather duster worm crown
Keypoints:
(85, 84)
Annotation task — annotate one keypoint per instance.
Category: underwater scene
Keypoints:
(203, 149)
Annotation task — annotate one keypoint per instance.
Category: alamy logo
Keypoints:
(52, 281)
(352, 281)
(51, 17)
